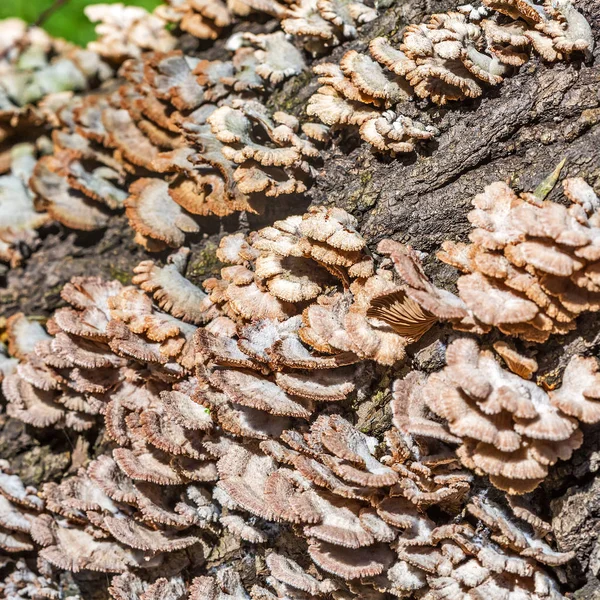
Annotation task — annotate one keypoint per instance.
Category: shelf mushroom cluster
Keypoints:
(127, 31)
(224, 409)
(37, 75)
(450, 57)
(19, 219)
(209, 403)
(362, 510)
(364, 519)
(37, 392)
(531, 264)
(187, 137)
(455, 563)
(146, 497)
(349, 504)
(202, 19)
(530, 267)
(102, 520)
(147, 144)
(317, 25)
(508, 428)
(294, 300)
(20, 507)
(112, 354)
(225, 584)
(312, 274)
(160, 147)
(36, 67)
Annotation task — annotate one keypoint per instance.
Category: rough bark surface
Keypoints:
(518, 131)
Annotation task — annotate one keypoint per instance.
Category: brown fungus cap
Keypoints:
(173, 292)
(153, 213)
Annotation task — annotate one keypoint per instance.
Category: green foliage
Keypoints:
(68, 21)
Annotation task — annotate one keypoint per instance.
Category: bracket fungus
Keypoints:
(452, 56)
(172, 291)
(318, 24)
(178, 402)
(529, 268)
(114, 515)
(19, 220)
(276, 168)
(276, 57)
(127, 31)
(160, 147)
(213, 433)
(360, 93)
(38, 75)
(530, 264)
(225, 414)
(314, 265)
(203, 19)
(508, 428)
(19, 507)
(35, 67)
(144, 142)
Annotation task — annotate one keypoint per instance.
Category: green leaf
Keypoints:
(542, 190)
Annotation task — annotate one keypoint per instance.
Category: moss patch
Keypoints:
(289, 98)
(204, 263)
(120, 275)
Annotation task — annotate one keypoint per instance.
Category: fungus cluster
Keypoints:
(530, 267)
(161, 148)
(152, 144)
(225, 584)
(458, 562)
(450, 561)
(19, 219)
(415, 305)
(202, 19)
(452, 56)
(102, 520)
(127, 31)
(359, 92)
(348, 503)
(20, 507)
(35, 392)
(185, 137)
(318, 24)
(33, 66)
(116, 514)
(508, 428)
(293, 299)
(312, 275)
(145, 142)
(530, 264)
(222, 411)
(155, 146)
(224, 414)
(360, 510)
(37, 76)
